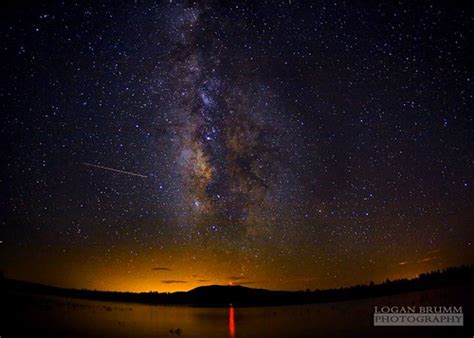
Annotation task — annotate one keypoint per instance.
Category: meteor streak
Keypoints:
(115, 170)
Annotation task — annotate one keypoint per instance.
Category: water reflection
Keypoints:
(231, 322)
(44, 316)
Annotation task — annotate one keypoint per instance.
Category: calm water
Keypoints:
(111, 319)
(60, 317)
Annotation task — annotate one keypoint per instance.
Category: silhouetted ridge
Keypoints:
(220, 295)
(223, 294)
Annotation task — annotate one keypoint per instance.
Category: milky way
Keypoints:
(227, 138)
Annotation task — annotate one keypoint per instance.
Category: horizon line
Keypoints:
(370, 283)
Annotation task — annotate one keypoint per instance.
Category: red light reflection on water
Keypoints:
(231, 322)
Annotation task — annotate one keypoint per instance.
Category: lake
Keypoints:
(63, 317)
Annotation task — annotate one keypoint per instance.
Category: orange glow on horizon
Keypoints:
(173, 268)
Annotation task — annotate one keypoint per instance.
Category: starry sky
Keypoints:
(273, 144)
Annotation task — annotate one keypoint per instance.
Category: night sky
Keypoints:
(273, 144)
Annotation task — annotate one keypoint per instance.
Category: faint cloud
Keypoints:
(200, 279)
(427, 259)
(423, 260)
(173, 281)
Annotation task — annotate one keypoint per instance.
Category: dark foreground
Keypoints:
(222, 296)
(30, 315)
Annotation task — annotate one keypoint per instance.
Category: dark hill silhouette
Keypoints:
(224, 294)
(219, 295)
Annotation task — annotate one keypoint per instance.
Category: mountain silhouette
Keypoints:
(223, 295)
